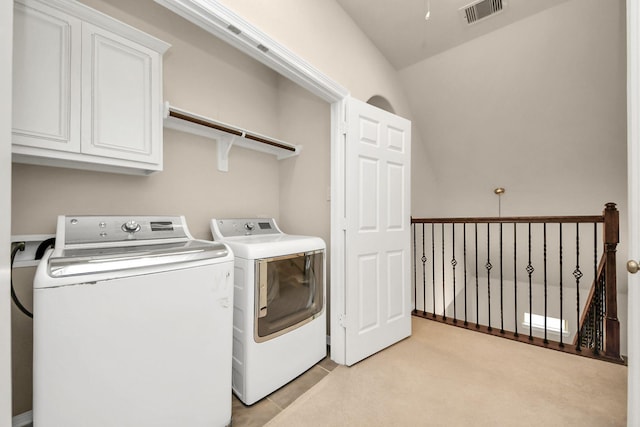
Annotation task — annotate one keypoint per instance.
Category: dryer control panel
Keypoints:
(90, 229)
(223, 228)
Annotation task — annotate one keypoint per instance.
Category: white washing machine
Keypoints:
(279, 328)
(132, 325)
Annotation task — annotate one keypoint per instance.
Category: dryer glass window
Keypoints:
(289, 292)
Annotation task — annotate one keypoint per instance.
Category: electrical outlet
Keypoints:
(27, 258)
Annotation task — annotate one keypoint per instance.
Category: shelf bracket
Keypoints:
(225, 142)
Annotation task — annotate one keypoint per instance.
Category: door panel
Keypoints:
(368, 290)
(119, 96)
(46, 86)
(378, 158)
(368, 194)
(396, 294)
(395, 208)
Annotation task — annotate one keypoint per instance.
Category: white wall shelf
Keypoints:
(226, 135)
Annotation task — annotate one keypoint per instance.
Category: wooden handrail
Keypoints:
(512, 219)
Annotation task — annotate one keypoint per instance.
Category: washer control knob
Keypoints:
(249, 226)
(131, 227)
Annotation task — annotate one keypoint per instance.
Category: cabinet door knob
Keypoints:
(632, 266)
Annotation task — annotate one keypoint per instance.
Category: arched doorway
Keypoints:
(382, 103)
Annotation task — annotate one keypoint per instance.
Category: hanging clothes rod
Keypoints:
(206, 123)
(210, 123)
(226, 135)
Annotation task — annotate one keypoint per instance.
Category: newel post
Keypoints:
(611, 238)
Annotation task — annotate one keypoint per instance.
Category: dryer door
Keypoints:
(290, 293)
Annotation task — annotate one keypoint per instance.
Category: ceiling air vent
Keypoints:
(482, 9)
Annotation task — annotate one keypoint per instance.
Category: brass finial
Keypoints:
(499, 192)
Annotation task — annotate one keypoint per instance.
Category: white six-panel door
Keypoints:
(378, 249)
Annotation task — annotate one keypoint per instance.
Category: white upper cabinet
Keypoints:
(46, 78)
(87, 90)
(121, 104)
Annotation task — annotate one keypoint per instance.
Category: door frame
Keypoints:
(6, 50)
(633, 165)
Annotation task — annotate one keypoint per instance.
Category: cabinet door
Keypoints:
(46, 78)
(120, 97)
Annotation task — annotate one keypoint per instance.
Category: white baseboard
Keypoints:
(23, 420)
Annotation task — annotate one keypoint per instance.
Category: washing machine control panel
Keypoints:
(88, 229)
(222, 228)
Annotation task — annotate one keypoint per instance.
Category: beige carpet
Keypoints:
(448, 376)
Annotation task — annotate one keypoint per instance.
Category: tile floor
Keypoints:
(264, 410)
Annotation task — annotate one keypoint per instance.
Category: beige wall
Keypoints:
(203, 75)
(327, 38)
(305, 181)
(537, 107)
(322, 34)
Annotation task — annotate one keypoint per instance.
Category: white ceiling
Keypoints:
(399, 30)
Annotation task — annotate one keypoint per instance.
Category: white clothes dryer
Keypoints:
(132, 325)
(279, 321)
